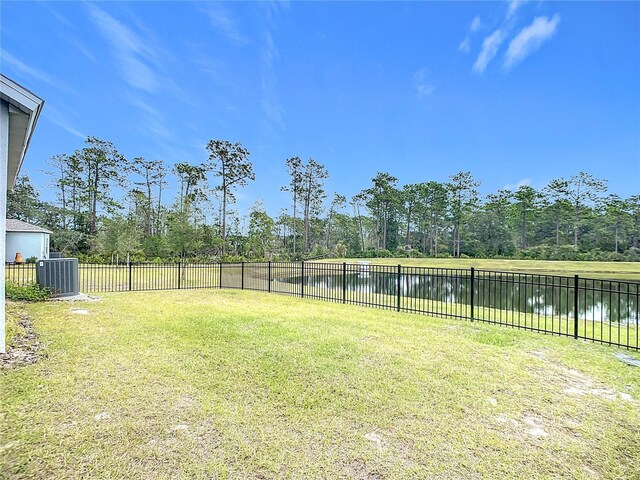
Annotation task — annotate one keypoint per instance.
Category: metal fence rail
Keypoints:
(604, 311)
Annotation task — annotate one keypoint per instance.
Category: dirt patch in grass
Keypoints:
(576, 383)
(25, 347)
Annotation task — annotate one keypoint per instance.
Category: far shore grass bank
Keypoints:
(600, 270)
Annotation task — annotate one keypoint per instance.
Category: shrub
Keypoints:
(232, 259)
(31, 293)
(341, 250)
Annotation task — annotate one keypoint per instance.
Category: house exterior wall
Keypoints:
(29, 244)
(4, 161)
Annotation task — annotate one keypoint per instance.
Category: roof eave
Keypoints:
(22, 102)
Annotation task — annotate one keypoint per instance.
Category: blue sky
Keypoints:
(515, 92)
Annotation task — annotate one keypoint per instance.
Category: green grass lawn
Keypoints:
(604, 270)
(238, 384)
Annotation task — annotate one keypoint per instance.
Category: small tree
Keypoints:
(183, 237)
(261, 232)
(120, 238)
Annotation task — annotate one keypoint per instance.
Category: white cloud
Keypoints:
(465, 45)
(530, 39)
(154, 122)
(423, 87)
(21, 67)
(270, 102)
(224, 22)
(70, 129)
(476, 24)
(514, 5)
(517, 185)
(132, 52)
(55, 116)
(490, 47)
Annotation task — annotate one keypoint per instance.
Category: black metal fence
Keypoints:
(604, 311)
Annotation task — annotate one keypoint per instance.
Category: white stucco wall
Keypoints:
(4, 154)
(29, 244)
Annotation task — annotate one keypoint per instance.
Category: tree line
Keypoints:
(110, 208)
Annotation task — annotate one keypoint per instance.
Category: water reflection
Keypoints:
(598, 300)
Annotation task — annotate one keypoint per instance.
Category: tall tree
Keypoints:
(312, 192)
(433, 209)
(579, 190)
(230, 162)
(632, 206)
(338, 202)
(294, 169)
(410, 196)
(63, 179)
(153, 173)
(526, 203)
(357, 203)
(383, 202)
(23, 202)
(463, 191)
(103, 168)
(497, 239)
(191, 179)
(615, 214)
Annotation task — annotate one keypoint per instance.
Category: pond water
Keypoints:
(598, 300)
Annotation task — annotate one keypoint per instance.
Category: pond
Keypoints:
(598, 300)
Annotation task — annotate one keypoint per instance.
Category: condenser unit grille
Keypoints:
(60, 276)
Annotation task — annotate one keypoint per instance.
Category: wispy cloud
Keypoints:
(82, 48)
(272, 108)
(515, 186)
(514, 5)
(490, 47)
(55, 116)
(270, 102)
(530, 39)
(225, 23)
(476, 24)
(465, 45)
(24, 69)
(154, 121)
(61, 18)
(423, 87)
(133, 53)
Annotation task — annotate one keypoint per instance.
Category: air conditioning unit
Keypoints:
(61, 276)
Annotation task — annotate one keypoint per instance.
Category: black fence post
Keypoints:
(399, 277)
(179, 272)
(302, 279)
(575, 305)
(242, 276)
(269, 277)
(344, 282)
(220, 274)
(130, 276)
(473, 290)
